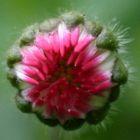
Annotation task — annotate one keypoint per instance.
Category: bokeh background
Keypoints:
(15, 15)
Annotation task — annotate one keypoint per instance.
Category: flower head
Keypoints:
(67, 74)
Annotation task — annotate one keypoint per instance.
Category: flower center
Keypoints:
(63, 71)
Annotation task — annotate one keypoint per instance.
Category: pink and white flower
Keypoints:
(64, 69)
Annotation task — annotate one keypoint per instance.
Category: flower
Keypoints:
(67, 75)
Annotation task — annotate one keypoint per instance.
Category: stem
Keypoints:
(54, 134)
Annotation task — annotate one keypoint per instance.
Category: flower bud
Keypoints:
(67, 71)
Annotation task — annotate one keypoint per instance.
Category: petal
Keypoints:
(83, 42)
(75, 36)
(41, 41)
(103, 86)
(95, 61)
(24, 77)
(35, 72)
(72, 58)
(56, 45)
(62, 29)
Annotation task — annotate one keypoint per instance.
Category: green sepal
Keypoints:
(119, 73)
(28, 35)
(93, 27)
(107, 40)
(12, 78)
(49, 122)
(73, 18)
(98, 102)
(14, 81)
(96, 116)
(49, 25)
(23, 105)
(114, 93)
(14, 56)
(73, 124)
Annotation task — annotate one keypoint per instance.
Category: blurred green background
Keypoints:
(15, 15)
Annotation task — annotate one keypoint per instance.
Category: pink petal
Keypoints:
(56, 45)
(72, 58)
(80, 58)
(23, 77)
(102, 76)
(83, 41)
(103, 86)
(41, 41)
(75, 36)
(95, 61)
(61, 33)
(32, 71)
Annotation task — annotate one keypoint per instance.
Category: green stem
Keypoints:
(55, 133)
